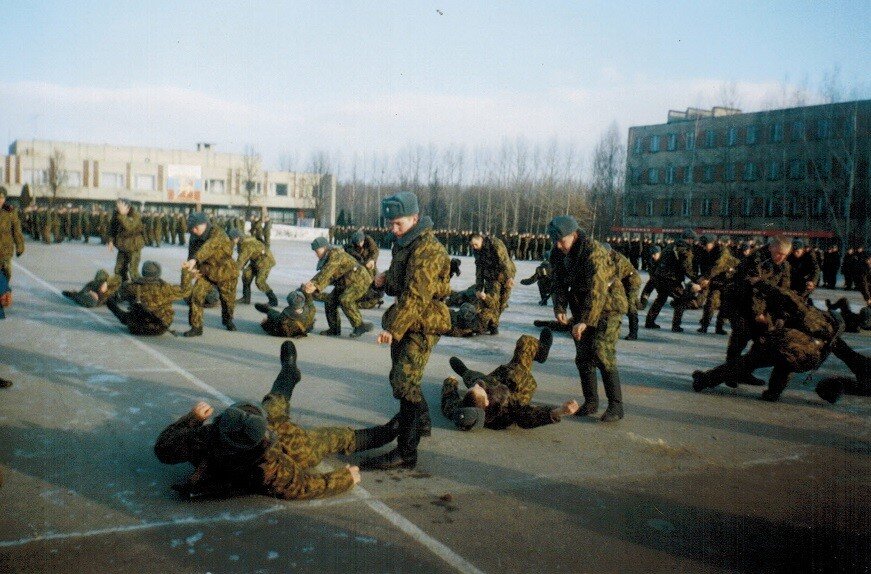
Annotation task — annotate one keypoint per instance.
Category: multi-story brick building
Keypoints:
(801, 170)
(89, 173)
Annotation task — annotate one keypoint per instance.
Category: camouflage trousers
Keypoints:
(517, 374)
(258, 274)
(409, 357)
(83, 298)
(491, 308)
(139, 320)
(201, 289)
(712, 303)
(346, 298)
(127, 264)
(598, 345)
(6, 267)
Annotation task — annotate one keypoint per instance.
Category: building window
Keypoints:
(726, 209)
(653, 176)
(34, 176)
(732, 137)
(145, 182)
(822, 129)
(818, 207)
(687, 207)
(667, 208)
(74, 178)
(796, 169)
(654, 144)
(824, 167)
(638, 144)
(215, 186)
(281, 189)
(691, 141)
(669, 174)
(635, 175)
(710, 138)
(774, 170)
(729, 172)
(706, 207)
(688, 174)
(751, 135)
(708, 174)
(649, 208)
(795, 208)
(797, 130)
(672, 142)
(747, 207)
(750, 171)
(111, 180)
(773, 207)
(777, 132)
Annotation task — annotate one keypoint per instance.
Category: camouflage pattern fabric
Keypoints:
(127, 231)
(599, 346)
(255, 261)
(409, 357)
(127, 264)
(457, 298)
(155, 297)
(630, 278)
(339, 269)
(347, 298)
(11, 238)
(213, 252)
(493, 269)
(288, 323)
(365, 254)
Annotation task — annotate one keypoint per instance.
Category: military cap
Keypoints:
(656, 249)
(233, 233)
(241, 427)
(688, 234)
(470, 418)
(197, 218)
(400, 205)
(296, 300)
(319, 242)
(101, 275)
(357, 236)
(560, 226)
(724, 239)
(798, 244)
(151, 270)
(705, 239)
(466, 315)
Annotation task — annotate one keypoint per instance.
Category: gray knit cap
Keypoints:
(197, 218)
(241, 427)
(560, 226)
(319, 242)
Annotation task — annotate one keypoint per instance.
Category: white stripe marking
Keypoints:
(408, 527)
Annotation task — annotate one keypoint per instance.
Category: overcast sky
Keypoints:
(289, 78)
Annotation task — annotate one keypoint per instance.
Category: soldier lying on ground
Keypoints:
(250, 448)
(96, 291)
(503, 397)
(457, 298)
(150, 300)
(295, 320)
(465, 322)
(853, 322)
(542, 276)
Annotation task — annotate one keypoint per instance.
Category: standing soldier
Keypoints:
(11, 238)
(349, 279)
(585, 280)
(364, 249)
(150, 299)
(804, 270)
(542, 276)
(631, 280)
(717, 269)
(255, 261)
(494, 278)
(126, 234)
(256, 228)
(419, 278)
(87, 226)
(210, 252)
(676, 265)
(267, 230)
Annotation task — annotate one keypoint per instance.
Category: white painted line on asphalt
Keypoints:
(409, 528)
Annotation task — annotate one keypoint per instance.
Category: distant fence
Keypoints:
(295, 233)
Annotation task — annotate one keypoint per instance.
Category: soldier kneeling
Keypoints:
(252, 448)
(150, 301)
(297, 319)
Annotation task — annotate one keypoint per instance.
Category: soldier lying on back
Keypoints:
(457, 298)
(150, 300)
(252, 448)
(853, 322)
(465, 322)
(503, 397)
(297, 319)
(96, 291)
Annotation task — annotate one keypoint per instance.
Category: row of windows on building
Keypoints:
(750, 135)
(747, 206)
(796, 169)
(113, 180)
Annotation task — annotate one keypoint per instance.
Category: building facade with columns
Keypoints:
(84, 173)
(803, 169)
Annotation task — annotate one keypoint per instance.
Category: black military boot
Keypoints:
(703, 327)
(611, 383)
(719, 330)
(193, 332)
(858, 363)
(289, 375)
(633, 327)
(700, 381)
(545, 340)
(245, 299)
(230, 325)
(273, 300)
(676, 320)
(590, 390)
(424, 422)
(469, 376)
(374, 437)
(405, 453)
(330, 333)
(262, 307)
(776, 385)
(360, 329)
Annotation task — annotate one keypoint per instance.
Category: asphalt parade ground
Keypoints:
(717, 481)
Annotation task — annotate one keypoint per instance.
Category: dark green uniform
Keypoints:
(255, 261)
(127, 233)
(631, 286)
(542, 276)
(493, 270)
(150, 301)
(11, 239)
(719, 270)
(290, 322)
(96, 291)
(350, 281)
(675, 265)
(213, 252)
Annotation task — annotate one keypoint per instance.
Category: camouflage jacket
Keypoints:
(511, 404)
(11, 238)
(291, 324)
(368, 252)
(340, 269)
(676, 264)
(803, 269)
(586, 280)
(627, 273)
(759, 265)
(127, 231)
(156, 296)
(250, 249)
(213, 252)
(718, 262)
(493, 263)
(419, 278)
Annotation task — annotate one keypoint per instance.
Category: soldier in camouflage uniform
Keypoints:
(96, 291)
(11, 238)
(465, 321)
(257, 449)
(350, 281)
(297, 319)
(267, 230)
(586, 280)
(542, 276)
(494, 278)
(365, 250)
(419, 279)
(717, 269)
(631, 285)
(503, 397)
(210, 253)
(149, 300)
(256, 261)
(127, 235)
(803, 268)
(675, 266)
